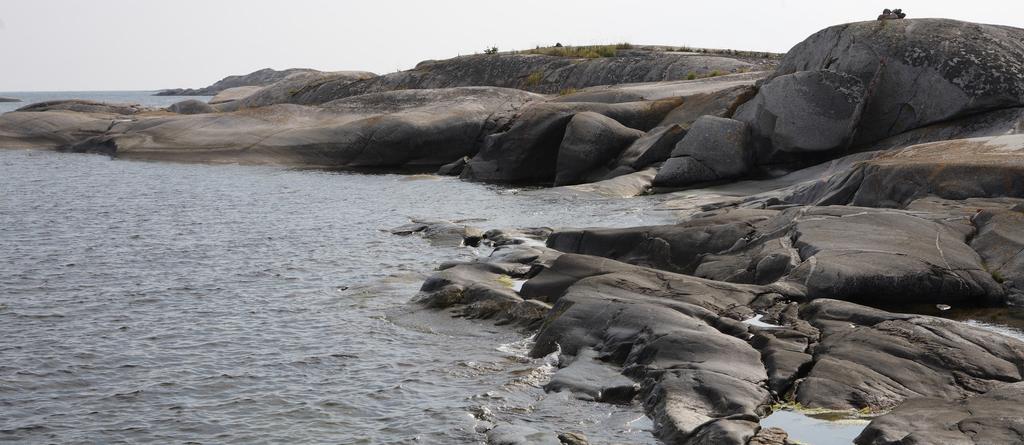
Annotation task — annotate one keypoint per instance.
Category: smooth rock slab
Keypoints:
(996, 417)
(869, 358)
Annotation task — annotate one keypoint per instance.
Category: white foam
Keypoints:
(756, 321)
(998, 329)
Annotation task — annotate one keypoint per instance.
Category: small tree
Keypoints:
(491, 50)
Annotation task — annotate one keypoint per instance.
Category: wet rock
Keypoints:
(805, 111)
(784, 354)
(996, 417)
(191, 106)
(573, 439)
(666, 330)
(872, 359)
(590, 379)
(527, 152)
(9, 99)
(590, 142)
(770, 436)
(714, 149)
(520, 435)
(438, 232)
(453, 168)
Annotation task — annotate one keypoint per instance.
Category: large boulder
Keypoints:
(995, 417)
(914, 72)
(527, 151)
(805, 111)
(715, 148)
(591, 141)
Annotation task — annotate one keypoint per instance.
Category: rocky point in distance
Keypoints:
(877, 164)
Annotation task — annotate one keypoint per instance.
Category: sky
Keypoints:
(69, 45)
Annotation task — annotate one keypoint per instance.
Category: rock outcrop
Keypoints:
(527, 151)
(858, 83)
(955, 169)
(9, 99)
(258, 78)
(234, 94)
(426, 128)
(84, 106)
(533, 72)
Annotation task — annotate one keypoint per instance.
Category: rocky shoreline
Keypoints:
(877, 164)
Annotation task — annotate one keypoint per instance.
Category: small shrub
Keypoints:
(715, 73)
(624, 45)
(998, 277)
(491, 50)
(534, 79)
(567, 91)
(691, 75)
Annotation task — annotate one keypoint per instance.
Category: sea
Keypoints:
(145, 302)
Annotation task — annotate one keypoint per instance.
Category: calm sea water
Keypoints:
(160, 302)
(139, 97)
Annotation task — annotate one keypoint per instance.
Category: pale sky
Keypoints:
(64, 45)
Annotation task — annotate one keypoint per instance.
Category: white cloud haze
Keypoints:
(132, 44)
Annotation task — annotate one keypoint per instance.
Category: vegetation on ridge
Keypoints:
(585, 52)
